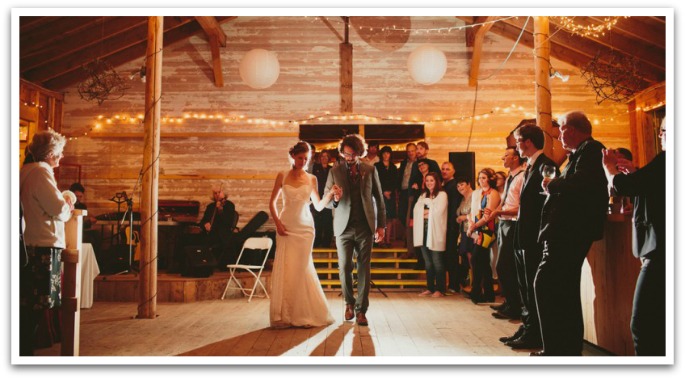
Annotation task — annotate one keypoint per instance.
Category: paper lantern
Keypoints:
(259, 68)
(427, 64)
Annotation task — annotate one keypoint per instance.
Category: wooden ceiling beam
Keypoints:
(558, 52)
(648, 53)
(122, 56)
(212, 28)
(648, 29)
(217, 39)
(76, 59)
(71, 43)
(29, 23)
(43, 35)
(587, 47)
(481, 31)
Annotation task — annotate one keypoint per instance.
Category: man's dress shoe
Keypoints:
(498, 307)
(361, 319)
(525, 342)
(516, 335)
(349, 312)
(538, 353)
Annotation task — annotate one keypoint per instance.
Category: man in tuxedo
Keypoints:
(572, 218)
(508, 215)
(359, 217)
(530, 141)
(648, 185)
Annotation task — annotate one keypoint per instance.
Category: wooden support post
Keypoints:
(147, 307)
(71, 284)
(543, 93)
(346, 72)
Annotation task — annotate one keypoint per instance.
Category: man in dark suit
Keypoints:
(572, 218)
(449, 185)
(404, 185)
(359, 221)
(530, 141)
(648, 185)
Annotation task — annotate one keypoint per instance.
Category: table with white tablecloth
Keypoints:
(89, 270)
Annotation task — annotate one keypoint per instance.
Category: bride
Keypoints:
(296, 296)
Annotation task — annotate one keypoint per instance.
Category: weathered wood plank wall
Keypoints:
(308, 84)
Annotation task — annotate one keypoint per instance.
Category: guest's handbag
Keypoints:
(485, 233)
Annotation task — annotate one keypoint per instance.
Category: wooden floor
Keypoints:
(401, 325)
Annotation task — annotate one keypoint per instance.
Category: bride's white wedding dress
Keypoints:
(296, 295)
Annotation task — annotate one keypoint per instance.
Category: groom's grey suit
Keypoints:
(360, 210)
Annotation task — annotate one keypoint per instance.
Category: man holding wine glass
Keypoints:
(530, 140)
(572, 218)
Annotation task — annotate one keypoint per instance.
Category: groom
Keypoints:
(358, 201)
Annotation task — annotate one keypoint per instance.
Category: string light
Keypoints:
(437, 30)
(592, 30)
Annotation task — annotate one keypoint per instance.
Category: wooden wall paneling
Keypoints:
(309, 84)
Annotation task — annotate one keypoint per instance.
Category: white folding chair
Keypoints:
(255, 245)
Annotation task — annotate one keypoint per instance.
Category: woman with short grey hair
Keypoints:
(44, 210)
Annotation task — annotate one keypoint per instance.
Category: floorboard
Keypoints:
(401, 325)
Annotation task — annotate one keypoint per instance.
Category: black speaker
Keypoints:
(464, 166)
(200, 262)
(115, 260)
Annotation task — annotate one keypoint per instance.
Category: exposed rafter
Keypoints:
(217, 39)
(480, 31)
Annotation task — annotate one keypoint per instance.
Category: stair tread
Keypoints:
(375, 271)
(377, 260)
(382, 282)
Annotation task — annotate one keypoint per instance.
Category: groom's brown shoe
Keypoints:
(349, 312)
(361, 319)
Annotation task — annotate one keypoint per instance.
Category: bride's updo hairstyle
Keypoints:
(300, 147)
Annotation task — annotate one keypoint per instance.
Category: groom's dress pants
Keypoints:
(356, 239)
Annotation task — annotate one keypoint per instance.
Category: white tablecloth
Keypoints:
(89, 270)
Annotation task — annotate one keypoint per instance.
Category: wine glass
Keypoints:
(549, 172)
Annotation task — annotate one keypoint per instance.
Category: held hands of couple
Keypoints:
(337, 192)
(380, 234)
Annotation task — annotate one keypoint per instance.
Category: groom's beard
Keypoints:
(351, 162)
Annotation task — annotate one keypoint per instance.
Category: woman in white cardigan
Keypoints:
(430, 229)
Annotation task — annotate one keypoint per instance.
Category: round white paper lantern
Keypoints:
(259, 68)
(427, 64)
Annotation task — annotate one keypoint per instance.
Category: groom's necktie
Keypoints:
(354, 173)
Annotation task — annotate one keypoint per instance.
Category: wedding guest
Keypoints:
(530, 140)
(430, 229)
(45, 210)
(482, 230)
(507, 214)
(465, 245)
(387, 173)
(404, 196)
(323, 220)
(449, 185)
(648, 185)
(572, 218)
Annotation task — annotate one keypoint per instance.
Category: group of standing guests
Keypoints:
(559, 215)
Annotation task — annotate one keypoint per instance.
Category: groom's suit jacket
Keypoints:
(371, 194)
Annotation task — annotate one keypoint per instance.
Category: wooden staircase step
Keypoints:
(374, 250)
(381, 282)
(379, 271)
(373, 260)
